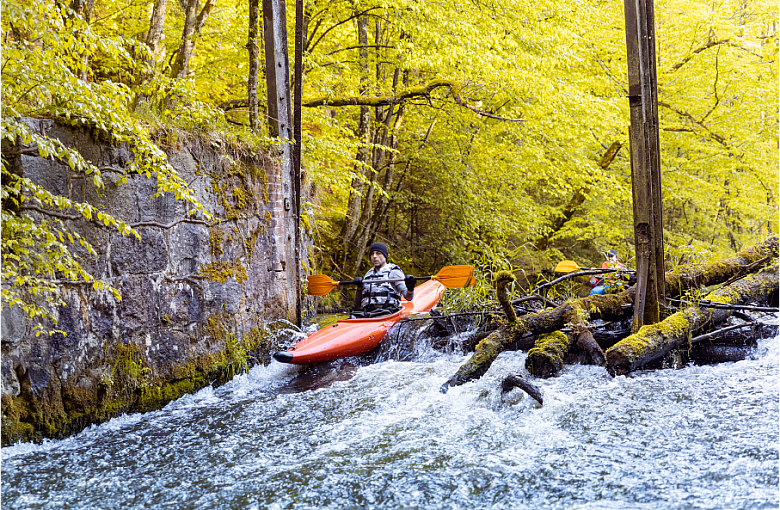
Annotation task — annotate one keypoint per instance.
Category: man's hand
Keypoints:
(409, 281)
(358, 281)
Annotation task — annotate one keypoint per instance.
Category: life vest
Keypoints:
(381, 295)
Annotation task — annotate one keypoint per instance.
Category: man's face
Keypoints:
(377, 259)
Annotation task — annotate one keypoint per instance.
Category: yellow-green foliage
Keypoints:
(251, 241)
(216, 240)
(306, 223)
(14, 426)
(129, 365)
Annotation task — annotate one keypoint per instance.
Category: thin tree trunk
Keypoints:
(193, 25)
(84, 9)
(364, 231)
(386, 203)
(254, 64)
(155, 34)
(364, 135)
(381, 206)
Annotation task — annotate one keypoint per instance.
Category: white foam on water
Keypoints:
(698, 437)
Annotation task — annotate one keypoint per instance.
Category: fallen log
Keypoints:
(677, 282)
(545, 359)
(609, 307)
(515, 381)
(653, 341)
(709, 354)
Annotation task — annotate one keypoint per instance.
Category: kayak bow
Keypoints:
(353, 337)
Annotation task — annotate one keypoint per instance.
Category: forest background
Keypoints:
(485, 132)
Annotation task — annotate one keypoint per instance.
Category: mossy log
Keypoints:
(653, 341)
(545, 359)
(677, 282)
(608, 307)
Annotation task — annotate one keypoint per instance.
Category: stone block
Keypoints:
(189, 248)
(137, 308)
(51, 175)
(166, 349)
(13, 328)
(163, 209)
(223, 297)
(181, 305)
(149, 255)
(10, 383)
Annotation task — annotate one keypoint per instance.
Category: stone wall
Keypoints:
(200, 298)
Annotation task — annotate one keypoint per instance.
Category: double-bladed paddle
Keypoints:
(452, 277)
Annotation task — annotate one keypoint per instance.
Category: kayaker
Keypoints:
(375, 299)
(603, 284)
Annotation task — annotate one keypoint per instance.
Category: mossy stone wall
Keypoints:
(200, 298)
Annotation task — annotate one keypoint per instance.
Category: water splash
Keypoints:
(698, 437)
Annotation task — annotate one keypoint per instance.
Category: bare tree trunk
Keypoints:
(156, 26)
(84, 9)
(381, 206)
(193, 24)
(254, 63)
(364, 135)
(365, 232)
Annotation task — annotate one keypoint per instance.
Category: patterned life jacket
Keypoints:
(381, 295)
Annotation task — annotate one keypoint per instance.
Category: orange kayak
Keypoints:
(353, 337)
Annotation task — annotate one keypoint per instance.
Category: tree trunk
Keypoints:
(364, 135)
(364, 231)
(515, 381)
(254, 64)
(652, 342)
(84, 9)
(156, 26)
(545, 359)
(193, 24)
(678, 282)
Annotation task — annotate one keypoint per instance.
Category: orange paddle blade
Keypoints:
(320, 284)
(455, 277)
(567, 266)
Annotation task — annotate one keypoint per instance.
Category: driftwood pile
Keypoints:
(747, 281)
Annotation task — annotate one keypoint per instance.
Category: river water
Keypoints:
(383, 436)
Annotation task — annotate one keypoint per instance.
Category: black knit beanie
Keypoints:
(381, 248)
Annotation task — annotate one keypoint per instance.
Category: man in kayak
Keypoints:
(376, 299)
